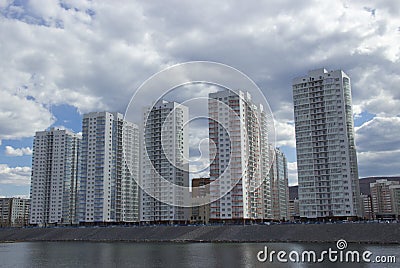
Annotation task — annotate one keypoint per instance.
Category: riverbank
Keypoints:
(372, 233)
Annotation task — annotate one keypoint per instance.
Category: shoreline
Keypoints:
(360, 233)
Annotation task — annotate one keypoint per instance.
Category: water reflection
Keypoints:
(86, 254)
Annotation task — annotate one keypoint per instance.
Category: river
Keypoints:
(124, 254)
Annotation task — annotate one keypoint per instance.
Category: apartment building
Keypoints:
(164, 165)
(383, 203)
(14, 212)
(200, 211)
(54, 177)
(279, 185)
(239, 156)
(109, 169)
(326, 153)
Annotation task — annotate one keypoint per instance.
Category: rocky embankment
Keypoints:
(383, 233)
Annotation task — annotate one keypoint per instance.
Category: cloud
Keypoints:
(94, 54)
(292, 170)
(378, 146)
(18, 176)
(25, 196)
(379, 134)
(108, 52)
(375, 89)
(379, 163)
(285, 134)
(20, 117)
(10, 151)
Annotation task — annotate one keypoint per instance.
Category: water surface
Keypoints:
(121, 254)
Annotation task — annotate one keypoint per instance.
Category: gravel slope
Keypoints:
(361, 233)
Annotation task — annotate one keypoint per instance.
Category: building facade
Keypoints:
(381, 198)
(239, 156)
(200, 188)
(395, 194)
(366, 206)
(294, 211)
(109, 169)
(165, 151)
(54, 177)
(14, 212)
(326, 153)
(280, 188)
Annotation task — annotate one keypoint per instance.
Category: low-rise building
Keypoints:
(294, 210)
(14, 212)
(200, 189)
(395, 195)
(366, 206)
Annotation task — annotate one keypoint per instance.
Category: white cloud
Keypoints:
(285, 134)
(94, 54)
(379, 134)
(108, 52)
(25, 196)
(378, 146)
(20, 117)
(379, 163)
(18, 176)
(292, 170)
(284, 124)
(10, 151)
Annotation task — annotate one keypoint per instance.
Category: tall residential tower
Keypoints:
(239, 170)
(109, 168)
(54, 177)
(165, 154)
(326, 153)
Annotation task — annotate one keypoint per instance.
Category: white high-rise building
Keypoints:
(279, 186)
(326, 153)
(239, 157)
(165, 154)
(108, 191)
(54, 177)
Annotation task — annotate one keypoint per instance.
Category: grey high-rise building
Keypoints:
(326, 152)
(165, 154)
(279, 186)
(54, 177)
(109, 168)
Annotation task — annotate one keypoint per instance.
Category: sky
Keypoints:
(60, 59)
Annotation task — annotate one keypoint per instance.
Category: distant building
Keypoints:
(381, 196)
(14, 212)
(165, 150)
(365, 182)
(5, 210)
(395, 194)
(294, 211)
(241, 158)
(366, 205)
(54, 177)
(280, 187)
(326, 152)
(108, 191)
(200, 188)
